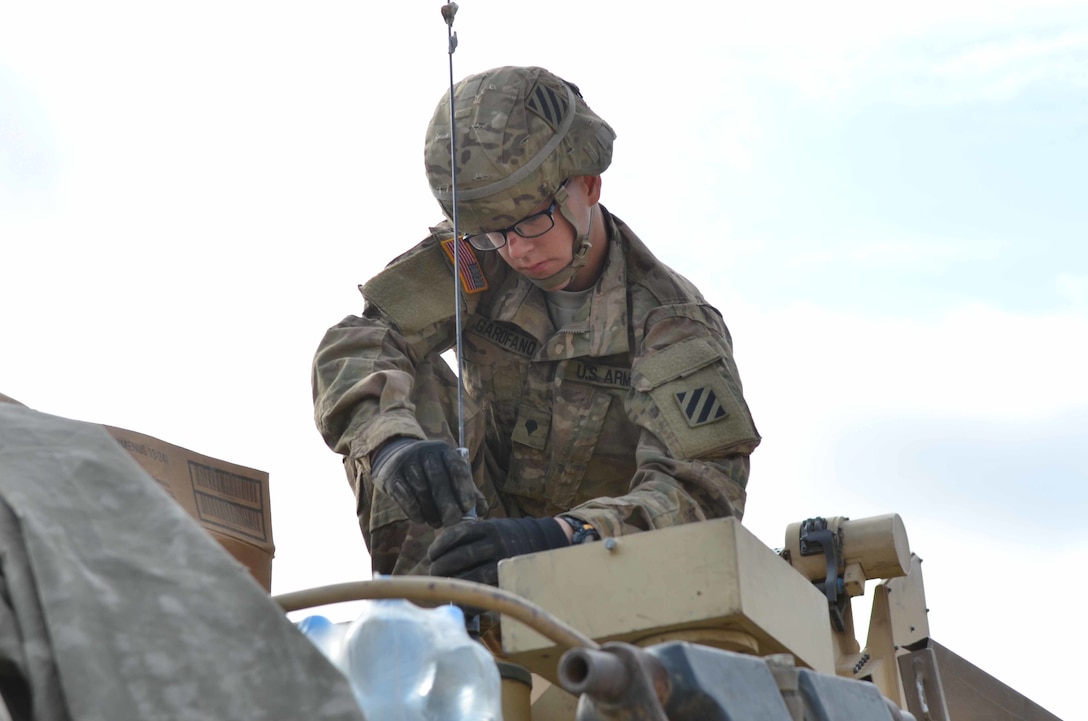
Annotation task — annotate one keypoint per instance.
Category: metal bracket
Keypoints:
(922, 685)
(816, 538)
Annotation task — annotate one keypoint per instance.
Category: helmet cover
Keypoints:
(520, 132)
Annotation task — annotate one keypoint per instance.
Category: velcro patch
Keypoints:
(512, 339)
(472, 276)
(695, 405)
(700, 406)
(532, 427)
(548, 105)
(597, 374)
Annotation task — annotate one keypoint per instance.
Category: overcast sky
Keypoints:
(886, 202)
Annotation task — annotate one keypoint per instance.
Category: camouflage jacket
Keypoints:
(630, 417)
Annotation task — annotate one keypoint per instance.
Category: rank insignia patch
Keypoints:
(472, 276)
(700, 406)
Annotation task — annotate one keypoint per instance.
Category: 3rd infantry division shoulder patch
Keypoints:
(700, 406)
(472, 276)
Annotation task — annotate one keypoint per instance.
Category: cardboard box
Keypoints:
(231, 502)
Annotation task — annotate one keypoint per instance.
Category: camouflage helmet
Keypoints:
(521, 131)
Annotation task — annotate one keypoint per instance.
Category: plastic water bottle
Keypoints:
(407, 663)
(467, 683)
(324, 634)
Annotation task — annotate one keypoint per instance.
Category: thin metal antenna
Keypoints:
(448, 12)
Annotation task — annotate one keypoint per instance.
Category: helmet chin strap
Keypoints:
(579, 251)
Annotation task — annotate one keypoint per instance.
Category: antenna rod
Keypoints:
(448, 12)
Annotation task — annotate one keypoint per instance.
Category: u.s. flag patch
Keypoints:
(472, 276)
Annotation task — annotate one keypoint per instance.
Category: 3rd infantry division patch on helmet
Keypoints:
(520, 132)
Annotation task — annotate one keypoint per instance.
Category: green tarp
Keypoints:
(115, 605)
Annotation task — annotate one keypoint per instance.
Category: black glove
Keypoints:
(471, 550)
(430, 481)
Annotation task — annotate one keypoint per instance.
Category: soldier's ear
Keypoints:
(592, 186)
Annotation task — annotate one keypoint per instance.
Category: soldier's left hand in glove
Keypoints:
(471, 550)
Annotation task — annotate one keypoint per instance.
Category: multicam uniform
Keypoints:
(630, 416)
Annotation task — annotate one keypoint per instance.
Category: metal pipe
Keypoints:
(441, 590)
(602, 674)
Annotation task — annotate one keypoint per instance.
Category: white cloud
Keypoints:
(989, 70)
(989, 58)
(928, 52)
(974, 362)
(929, 253)
(1074, 288)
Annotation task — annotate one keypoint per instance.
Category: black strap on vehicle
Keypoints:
(816, 538)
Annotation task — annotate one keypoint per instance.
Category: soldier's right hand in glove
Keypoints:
(430, 481)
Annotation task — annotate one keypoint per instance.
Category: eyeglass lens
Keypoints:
(532, 227)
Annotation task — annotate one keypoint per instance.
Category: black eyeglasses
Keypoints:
(533, 226)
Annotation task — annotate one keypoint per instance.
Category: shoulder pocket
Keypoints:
(416, 290)
(676, 361)
(687, 395)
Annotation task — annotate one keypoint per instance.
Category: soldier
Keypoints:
(601, 396)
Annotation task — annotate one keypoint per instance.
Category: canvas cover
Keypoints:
(116, 605)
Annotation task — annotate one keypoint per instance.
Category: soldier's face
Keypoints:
(547, 254)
